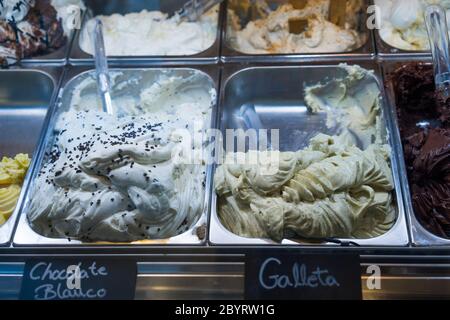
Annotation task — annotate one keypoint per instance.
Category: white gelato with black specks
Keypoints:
(129, 178)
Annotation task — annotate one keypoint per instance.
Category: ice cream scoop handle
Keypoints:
(436, 22)
(101, 68)
(194, 9)
(250, 117)
(253, 122)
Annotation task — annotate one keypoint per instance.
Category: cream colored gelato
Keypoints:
(270, 34)
(352, 104)
(339, 186)
(129, 178)
(150, 33)
(403, 24)
(69, 11)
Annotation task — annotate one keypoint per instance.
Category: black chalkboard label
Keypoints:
(78, 279)
(271, 275)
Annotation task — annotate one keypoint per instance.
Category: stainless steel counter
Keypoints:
(217, 272)
(223, 280)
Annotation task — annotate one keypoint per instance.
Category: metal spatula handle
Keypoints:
(252, 121)
(436, 23)
(101, 68)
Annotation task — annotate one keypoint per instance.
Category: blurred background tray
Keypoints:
(277, 94)
(98, 7)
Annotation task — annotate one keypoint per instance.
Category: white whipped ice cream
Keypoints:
(403, 25)
(150, 33)
(130, 178)
(271, 34)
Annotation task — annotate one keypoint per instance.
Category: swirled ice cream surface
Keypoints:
(270, 33)
(125, 179)
(339, 186)
(35, 27)
(149, 33)
(403, 24)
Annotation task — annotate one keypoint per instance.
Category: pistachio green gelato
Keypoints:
(331, 189)
(339, 186)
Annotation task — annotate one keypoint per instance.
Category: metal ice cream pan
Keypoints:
(420, 236)
(26, 236)
(25, 97)
(277, 94)
(99, 7)
(229, 54)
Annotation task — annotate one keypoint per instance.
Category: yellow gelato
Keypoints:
(12, 173)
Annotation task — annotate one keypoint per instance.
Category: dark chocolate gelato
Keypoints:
(39, 30)
(424, 120)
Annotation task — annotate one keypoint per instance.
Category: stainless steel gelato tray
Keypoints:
(277, 96)
(259, 32)
(386, 30)
(134, 90)
(71, 16)
(25, 96)
(420, 236)
(198, 43)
